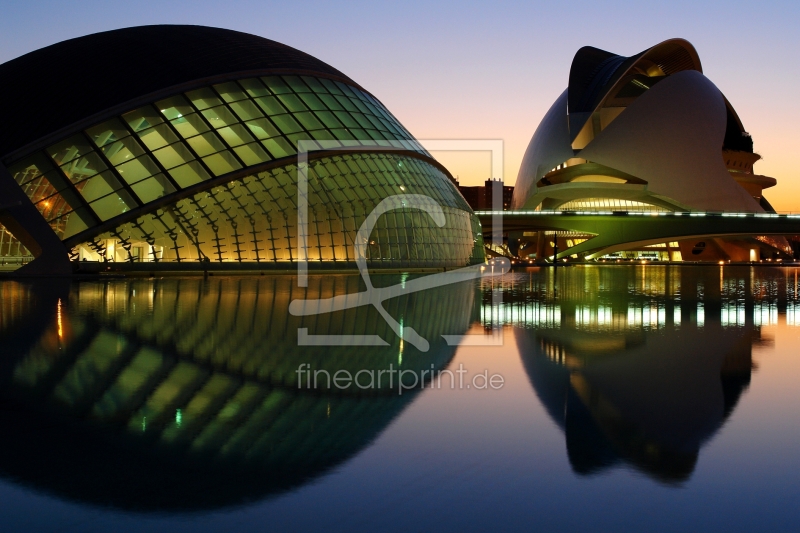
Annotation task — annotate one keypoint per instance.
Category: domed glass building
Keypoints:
(179, 144)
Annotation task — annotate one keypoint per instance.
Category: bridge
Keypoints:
(620, 230)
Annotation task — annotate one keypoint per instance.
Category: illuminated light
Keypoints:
(402, 188)
(722, 262)
(178, 417)
(144, 423)
(60, 325)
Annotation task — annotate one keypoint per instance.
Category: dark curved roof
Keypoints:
(594, 72)
(59, 85)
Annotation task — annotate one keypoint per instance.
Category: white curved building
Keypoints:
(643, 133)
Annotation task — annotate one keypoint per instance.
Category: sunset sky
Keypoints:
(467, 70)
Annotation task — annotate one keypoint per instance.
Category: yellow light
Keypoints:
(722, 262)
(60, 325)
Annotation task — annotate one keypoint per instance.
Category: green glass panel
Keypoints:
(204, 98)
(276, 85)
(292, 102)
(308, 120)
(74, 224)
(112, 205)
(28, 169)
(222, 163)
(262, 128)
(174, 107)
(270, 105)
(252, 154)
(119, 152)
(331, 86)
(343, 135)
(205, 144)
(190, 125)
(157, 137)
(346, 103)
(98, 186)
(107, 132)
(346, 89)
(314, 84)
(230, 91)
(137, 169)
(279, 147)
(329, 119)
(83, 167)
(236, 135)
(312, 102)
(346, 119)
(286, 124)
(173, 155)
(153, 188)
(246, 110)
(330, 102)
(219, 117)
(189, 174)
(362, 121)
(309, 143)
(296, 84)
(70, 149)
(254, 87)
(142, 118)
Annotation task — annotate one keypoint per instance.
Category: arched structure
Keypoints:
(180, 143)
(643, 133)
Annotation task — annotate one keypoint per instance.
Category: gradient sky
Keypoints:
(468, 70)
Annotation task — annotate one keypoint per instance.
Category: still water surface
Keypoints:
(646, 398)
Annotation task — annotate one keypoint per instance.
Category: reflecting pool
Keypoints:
(658, 398)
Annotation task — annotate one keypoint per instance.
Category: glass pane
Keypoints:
(329, 119)
(312, 102)
(308, 142)
(346, 103)
(219, 117)
(278, 147)
(53, 207)
(75, 224)
(252, 154)
(230, 91)
(26, 170)
(138, 169)
(153, 188)
(330, 102)
(107, 132)
(70, 149)
(292, 102)
(159, 136)
(112, 205)
(190, 125)
(308, 120)
(173, 155)
(203, 98)
(142, 118)
(98, 186)
(189, 174)
(206, 144)
(119, 152)
(254, 87)
(296, 84)
(262, 128)
(276, 85)
(174, 107)
(314, 84)
(83, 167)
(270, 105)
(246, 110)
(222, 163)
(346, 119)
(331, 86)
(38, 189)
(236, 135)
(287, 124)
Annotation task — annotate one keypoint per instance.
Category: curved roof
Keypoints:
(594, 72)
(59, 85)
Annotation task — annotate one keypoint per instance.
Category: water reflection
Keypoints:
(172, 395)
(642, 366)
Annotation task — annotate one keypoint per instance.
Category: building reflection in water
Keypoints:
(641, 366)
(181, 394)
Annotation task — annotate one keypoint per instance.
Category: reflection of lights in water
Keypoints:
(178, 417)
(144, 423)
(60, 324)
(400, 354)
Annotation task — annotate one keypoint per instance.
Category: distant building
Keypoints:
(479, 197)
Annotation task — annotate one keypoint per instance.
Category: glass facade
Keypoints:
(609, 204)
(187, 139)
